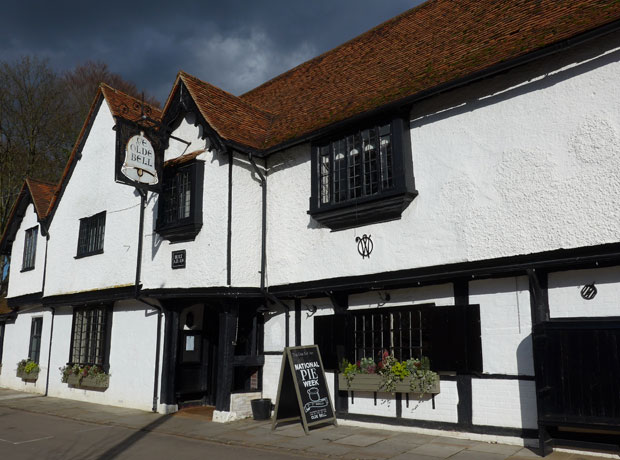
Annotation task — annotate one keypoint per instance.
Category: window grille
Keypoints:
(34, 349)
(92, 232)
(177, 193)
(356, 166)
(89, 336)
(397, 332)
(30, 248)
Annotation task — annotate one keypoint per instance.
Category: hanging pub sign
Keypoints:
(302, 392)
(139, 156)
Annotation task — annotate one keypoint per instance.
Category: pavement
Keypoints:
(340, 442)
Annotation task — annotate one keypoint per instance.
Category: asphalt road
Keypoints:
(28, 436)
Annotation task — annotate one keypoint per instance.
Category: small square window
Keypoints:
(92, 231)
(30, 248)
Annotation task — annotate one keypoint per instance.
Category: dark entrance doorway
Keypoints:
(195, 373)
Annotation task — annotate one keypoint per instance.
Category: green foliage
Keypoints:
(82, 371)
(27, 366)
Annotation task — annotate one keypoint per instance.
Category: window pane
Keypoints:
(324, 174)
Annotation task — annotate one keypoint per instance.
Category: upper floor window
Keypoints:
(92, 232)
(30, 248)
(179, 214)
(363, 177)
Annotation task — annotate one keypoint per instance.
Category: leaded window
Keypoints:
(179, 215)
(91, 236)
(362, 177)
(30, 248)
(88, 345)
(356, 166)
(34, 350)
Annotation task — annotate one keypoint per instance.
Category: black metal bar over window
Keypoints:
(88, 344)
(34, 350)
(91, 236)
(30, 248)
(356, 166)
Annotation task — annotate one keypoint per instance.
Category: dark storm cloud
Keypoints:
(235, 45)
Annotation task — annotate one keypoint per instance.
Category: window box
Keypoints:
(372, 382)
(99, 382)
(179, 212)
(30, 376)
(363, 177)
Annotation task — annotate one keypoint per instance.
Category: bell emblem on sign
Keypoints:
(139, 165)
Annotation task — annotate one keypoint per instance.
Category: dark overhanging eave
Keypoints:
(407, 102)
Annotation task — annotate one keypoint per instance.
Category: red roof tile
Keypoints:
(42, 194)
(436, 43)
(232, 118)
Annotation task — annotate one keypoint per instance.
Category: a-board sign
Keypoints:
(302, 392)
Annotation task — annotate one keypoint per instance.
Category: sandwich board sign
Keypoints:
(302, 392)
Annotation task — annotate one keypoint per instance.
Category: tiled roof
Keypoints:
(183, 158)
(232, 118)
(125, 106)
(434, 44)
(42, 194)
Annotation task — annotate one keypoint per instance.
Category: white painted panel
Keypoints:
(565, 293)
(505, 323)
(445, 410)
(505, 403)
(16, 347)
(439, 294)
(31, 281)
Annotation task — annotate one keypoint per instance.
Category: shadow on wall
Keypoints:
(527, 391)
(532, 77)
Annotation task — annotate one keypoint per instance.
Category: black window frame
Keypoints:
(364, 201)
(185, 228)
(36, 331)
(91, 322)
(91, 235)
(30, 249)
(449, 335)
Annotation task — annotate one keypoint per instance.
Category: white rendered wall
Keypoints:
(505, 325)
(132, 357)
(90, 190)
(16, 346)
(31, 281)
(508, 166)
(505, 403)
(206, 254)
(246, 224)
(565, 299)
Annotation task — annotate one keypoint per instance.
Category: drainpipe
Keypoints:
(263, 184)
(157, 349)
(49, 352)
(140, 238)
(263, 260)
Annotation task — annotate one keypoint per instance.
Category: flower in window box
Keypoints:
(27, 369)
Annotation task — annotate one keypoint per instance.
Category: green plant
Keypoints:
(27, 366)
(391, 371)
(94, 371)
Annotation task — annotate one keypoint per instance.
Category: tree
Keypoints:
(82, 83)
(34, 139)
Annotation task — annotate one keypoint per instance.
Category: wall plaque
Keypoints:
(178, 259)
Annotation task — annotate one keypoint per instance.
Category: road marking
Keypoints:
(93, 429)
(25, 442)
